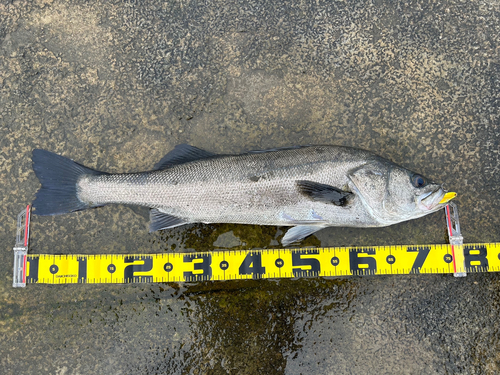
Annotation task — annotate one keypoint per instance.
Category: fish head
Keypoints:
(393, 194)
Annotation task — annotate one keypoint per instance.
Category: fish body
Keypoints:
(308, 188)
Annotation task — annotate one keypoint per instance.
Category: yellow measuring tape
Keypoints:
(455, 258)
(261, 264)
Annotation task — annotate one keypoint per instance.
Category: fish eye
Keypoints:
(418, 181)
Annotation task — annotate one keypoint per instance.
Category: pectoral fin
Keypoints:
(323, 193)
(298, 233)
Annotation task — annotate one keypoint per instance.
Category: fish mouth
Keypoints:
(434, 199)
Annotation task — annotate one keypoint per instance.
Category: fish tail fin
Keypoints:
(58, 176)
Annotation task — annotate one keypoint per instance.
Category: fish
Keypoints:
(307, 188)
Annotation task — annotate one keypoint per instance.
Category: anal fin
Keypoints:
(161, 220)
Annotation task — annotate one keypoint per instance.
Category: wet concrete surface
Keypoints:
(116, 85)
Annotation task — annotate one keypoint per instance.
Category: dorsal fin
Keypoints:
(276, 149)
(182, 154)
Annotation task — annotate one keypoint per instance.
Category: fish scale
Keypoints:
(220, 190)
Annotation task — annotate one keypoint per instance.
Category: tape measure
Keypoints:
(260, 264)
(215, 265)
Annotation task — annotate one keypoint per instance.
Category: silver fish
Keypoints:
(307, 188)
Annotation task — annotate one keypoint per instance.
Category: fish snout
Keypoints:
(431, 200)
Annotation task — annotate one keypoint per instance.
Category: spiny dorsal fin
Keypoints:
(323, 193)
(182, 154)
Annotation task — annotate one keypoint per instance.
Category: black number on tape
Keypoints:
(313, 265)
(422, 251)
(205, 266)
(362, 265)
(82, 270)
(33, 270)
(145, 265)
(479, 256)
(252, 265)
